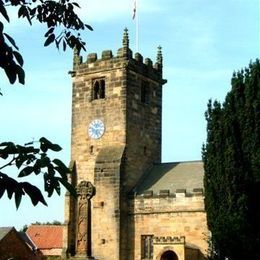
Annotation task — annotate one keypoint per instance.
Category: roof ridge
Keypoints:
(177, 162)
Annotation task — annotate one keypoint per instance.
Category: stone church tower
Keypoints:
(116, 143)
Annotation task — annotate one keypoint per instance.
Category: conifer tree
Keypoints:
(231, 158)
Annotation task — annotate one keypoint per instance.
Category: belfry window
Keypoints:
(147, 247)
(99, 89)
(145, 92)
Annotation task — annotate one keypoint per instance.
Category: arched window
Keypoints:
(169, 255)
(99, 89)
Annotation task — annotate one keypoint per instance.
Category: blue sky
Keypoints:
(203, 42)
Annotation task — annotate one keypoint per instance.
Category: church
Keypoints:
(130, 205)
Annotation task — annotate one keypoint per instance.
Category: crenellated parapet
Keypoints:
(179, 193)
(166, 202)
(169, 240)
(123, 58)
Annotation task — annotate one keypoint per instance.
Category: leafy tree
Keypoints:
(232, 168)
(62, 23)
(63, 28)
(54, 223)
(30, 159)
(24, 228)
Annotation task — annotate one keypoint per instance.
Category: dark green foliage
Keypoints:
(54, 222)
(62, 23)
(29, 159)
(24, 228)
(232, 168)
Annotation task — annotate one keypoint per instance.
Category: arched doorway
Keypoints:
(169, 255)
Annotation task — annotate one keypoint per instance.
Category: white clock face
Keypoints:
(96, 129)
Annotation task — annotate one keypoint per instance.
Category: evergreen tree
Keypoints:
(232, 168)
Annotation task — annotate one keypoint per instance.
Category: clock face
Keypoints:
(96, 129)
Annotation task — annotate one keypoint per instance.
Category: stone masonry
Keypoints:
(125, 94)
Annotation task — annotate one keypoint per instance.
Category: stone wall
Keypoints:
(143, 119)
(132, 127)
(88, 153)
(168, 216)
(130, 106)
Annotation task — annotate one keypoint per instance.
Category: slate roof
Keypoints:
(4, 231)
(172, 176)
(46, 236)
(27, 240)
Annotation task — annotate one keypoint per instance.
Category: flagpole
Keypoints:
(137, 27)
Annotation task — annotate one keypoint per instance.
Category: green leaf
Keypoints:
(1, 27)
(18, 57)
(64, 45)
(56, 185)
(46, 144)
(76, 4)
(49, 40)
(3, 12)
(26, 14)
(33, 11)
(44, 161)
(49, 31)
(34, 193)
(3, 154)
(89, 27)
(2, 184)
(6, 143)
(10, 72)
(2, 191)
(21, 11)
(58, 42)
(68, 186)
(61, 165)
(18, 198)
(20, 160)
(48, 184)
(8, 150)
(10, 185)
(21, 74)
(37, 166)
(51, 170)
(61, 168)
(55, 148)
(26, 171)
(11, 40)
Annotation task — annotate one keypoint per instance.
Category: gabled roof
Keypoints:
(4, 231)
(46, 236)
(172, 177)
(27, 240)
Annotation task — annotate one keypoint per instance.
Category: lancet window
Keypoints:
(147, 247)
(99, 90)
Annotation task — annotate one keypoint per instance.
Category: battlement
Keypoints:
(123, 58)
(169, 240)
(108, 55)
(179, 193)
(166, 202)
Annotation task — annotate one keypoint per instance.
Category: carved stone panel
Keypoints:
(85, 192)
